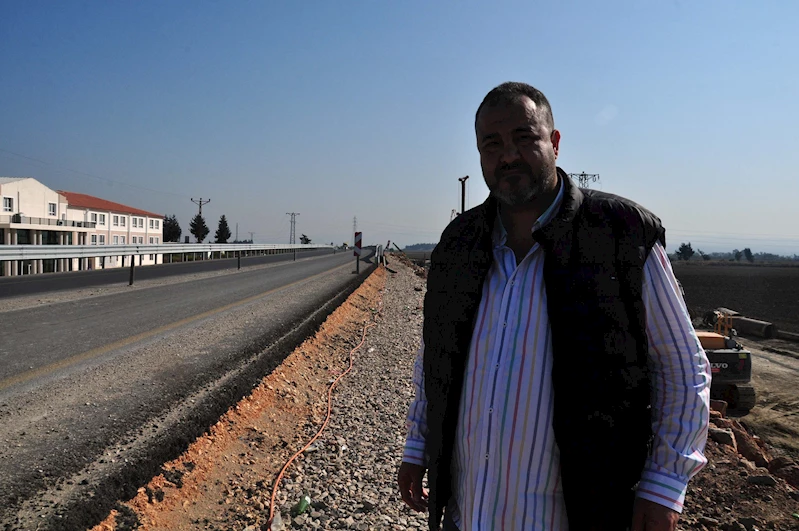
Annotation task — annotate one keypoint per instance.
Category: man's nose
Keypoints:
(510, 153)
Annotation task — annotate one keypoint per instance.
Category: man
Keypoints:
(560, 383)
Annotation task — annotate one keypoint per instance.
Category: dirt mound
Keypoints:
(403, 259)
(743, 487)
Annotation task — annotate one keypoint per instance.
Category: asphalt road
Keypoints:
(48, 282)
(95, 393)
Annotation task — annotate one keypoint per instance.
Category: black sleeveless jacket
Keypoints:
(595, 249)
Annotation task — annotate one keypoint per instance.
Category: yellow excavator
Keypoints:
(730, 365)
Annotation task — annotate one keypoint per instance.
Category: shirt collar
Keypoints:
(500, 235)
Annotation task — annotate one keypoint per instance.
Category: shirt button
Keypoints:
(504, 324)
(491, 410)
(486, 457)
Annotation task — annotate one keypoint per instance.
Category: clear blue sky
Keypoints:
(342, 109)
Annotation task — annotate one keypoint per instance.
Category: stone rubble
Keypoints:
(351, 474)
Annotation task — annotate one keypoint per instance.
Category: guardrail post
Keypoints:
(239, 257)
(132, 269)
(295, 255)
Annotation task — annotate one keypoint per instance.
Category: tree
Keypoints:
(198, 228)
(748, 254)
(685, 252)
(737, 255)
(223, 231)
(305, 240)
(704, 255)
(172, 230)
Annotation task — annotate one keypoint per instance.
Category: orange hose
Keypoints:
(321, 429)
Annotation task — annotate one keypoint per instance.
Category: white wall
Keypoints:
(31, 198)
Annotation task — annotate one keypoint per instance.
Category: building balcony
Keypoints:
(26, 220)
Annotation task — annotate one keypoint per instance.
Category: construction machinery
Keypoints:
(730, 363)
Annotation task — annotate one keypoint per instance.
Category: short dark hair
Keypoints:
(513, 90)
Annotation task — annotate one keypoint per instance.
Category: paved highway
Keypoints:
(95, 393)
(49, 282)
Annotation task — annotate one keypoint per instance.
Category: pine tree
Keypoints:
(198, 228)
(172, 230)
(223, 231)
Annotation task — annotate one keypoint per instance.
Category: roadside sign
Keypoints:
(357, 250)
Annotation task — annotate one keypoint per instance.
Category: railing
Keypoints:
(27, 220)
(48, 252)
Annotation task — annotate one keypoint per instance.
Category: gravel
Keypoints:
(351, 477)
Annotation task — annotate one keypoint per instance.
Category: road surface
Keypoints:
(49, 282)
(95, 393)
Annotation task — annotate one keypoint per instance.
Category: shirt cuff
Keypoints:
(662, 489)
(414, 452)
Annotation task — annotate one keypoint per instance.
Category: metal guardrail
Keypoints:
(49, 252)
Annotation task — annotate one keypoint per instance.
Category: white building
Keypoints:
(33, 214)
(116, 224)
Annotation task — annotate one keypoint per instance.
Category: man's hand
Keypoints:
(409, 479)
(651, 516)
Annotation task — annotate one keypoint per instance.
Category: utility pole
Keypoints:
(251, 240)
(201, 203)
(463, 193)
(584, 178)
(237, 231)
(293, 232)
(354, 228)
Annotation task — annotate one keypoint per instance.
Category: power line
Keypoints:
(78, 172)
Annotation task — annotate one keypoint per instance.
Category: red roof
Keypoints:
(95, 203)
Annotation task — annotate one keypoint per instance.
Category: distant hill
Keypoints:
(420, 247)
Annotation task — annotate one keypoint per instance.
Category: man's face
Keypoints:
(518, 149)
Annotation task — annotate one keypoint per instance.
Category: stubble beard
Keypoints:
(524, 192)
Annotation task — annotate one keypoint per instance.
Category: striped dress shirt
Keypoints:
(506, 469)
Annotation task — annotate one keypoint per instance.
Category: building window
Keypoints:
(116, 221)
(122, 240)
(94, 217)
(122, 221)
(102, 219)
(156, 241)
(51, 209)
(157, 223)
(8, 204)
(116, 240)
(102, 239)
(151, 240)
(94, 239)
(152, 226)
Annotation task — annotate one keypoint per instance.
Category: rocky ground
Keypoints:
(225, 479)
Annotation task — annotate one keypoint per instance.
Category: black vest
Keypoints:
(595, 250)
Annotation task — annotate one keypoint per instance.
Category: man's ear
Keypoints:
(555, 139)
